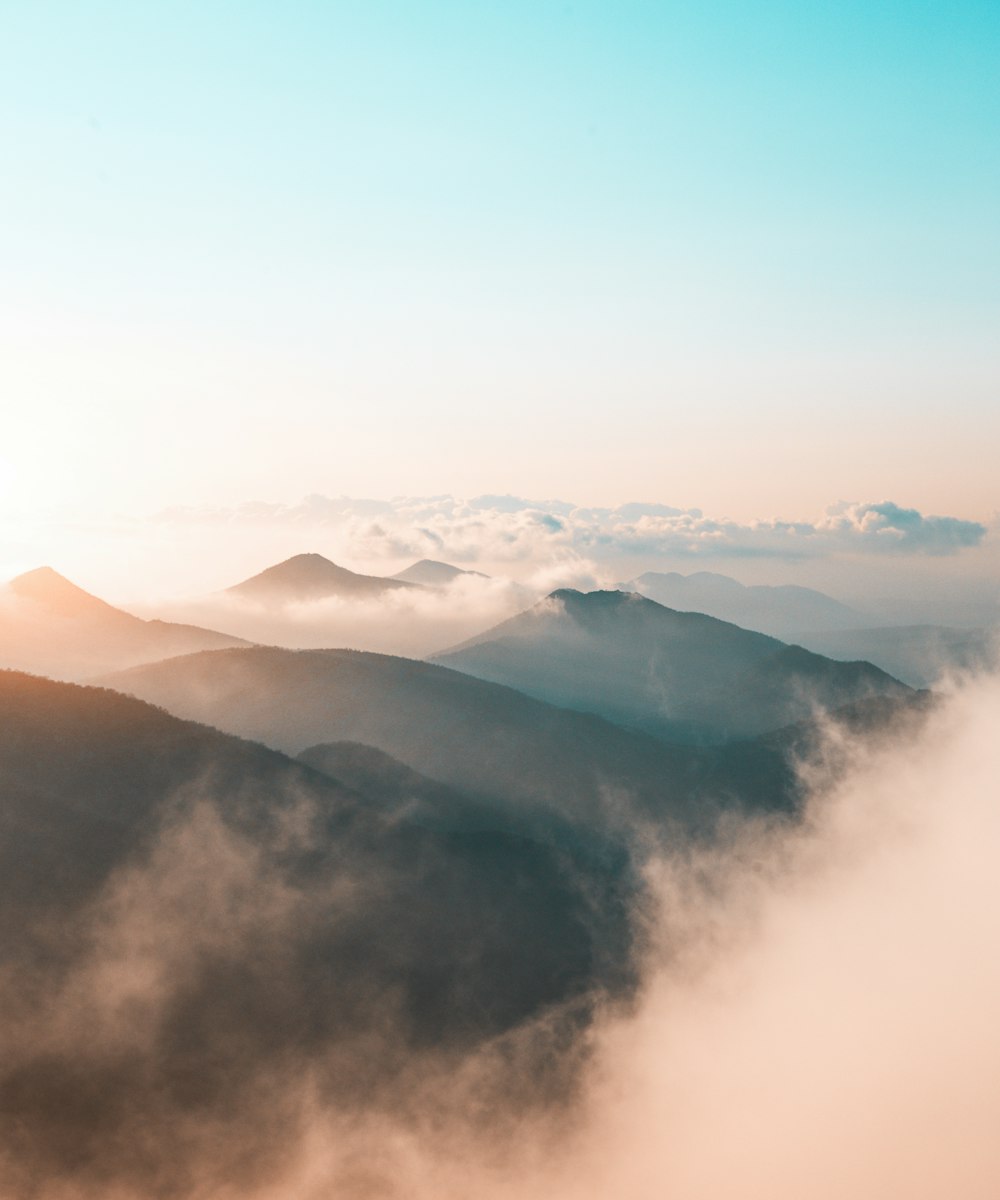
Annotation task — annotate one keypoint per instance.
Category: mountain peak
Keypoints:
(603, 601)
(46, 587)
(310, 577)
(432, 573)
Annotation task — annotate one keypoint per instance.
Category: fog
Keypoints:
(840, 1039)
(818, 1018)
(414, 622)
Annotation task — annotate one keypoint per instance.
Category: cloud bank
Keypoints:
(829, 1029)
(511, 529)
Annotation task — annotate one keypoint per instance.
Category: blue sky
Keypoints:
(743, 256)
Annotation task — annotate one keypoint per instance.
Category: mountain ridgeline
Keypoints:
(681, 676)
(306, 577)
(785, 611)
(430, 573)
(49, 626)
(478, 737)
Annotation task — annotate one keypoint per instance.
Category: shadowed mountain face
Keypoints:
(204, 938)
(782, 611)
(429, 573)
(311, 577)
(50, 626)
(482, 739)
(678, 675)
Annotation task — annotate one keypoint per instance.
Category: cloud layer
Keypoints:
(512, 529)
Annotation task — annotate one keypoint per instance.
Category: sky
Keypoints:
(740, 257)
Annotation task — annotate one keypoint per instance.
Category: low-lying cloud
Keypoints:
(414, 622)
(838, 1039)
(818, 1019)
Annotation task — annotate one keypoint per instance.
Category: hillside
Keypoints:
(481, 738)
(215, 920)
(681, 676)
(50, 626)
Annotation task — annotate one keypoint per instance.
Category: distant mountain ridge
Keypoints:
(920, 655)
(50, 626)
(430, 573)
(59, 596)
(311, 577)
(784, 610)
(684, 676)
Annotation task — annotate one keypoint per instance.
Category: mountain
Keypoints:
(311, 577)
(430, 573)
(783, 611)
(918, 654)
(198, 934)
(487, 741)
(681, 676)
(50, 626)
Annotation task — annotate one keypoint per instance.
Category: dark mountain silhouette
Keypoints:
(192, 923)
(918, 654)
(681, 676)
(783, 611)
(430, 573)
(50, 626)
(311, 577)
(399, 791)
(485, 740)
(489, 743)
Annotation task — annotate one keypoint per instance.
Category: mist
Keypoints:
(414, 622)
(819, 1014)
(840, 1037)
(816, 1014)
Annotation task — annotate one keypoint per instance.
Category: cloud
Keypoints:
(415, 622)
(819, 1013)
(497, 529)
(828, 1028)
(818, 1016)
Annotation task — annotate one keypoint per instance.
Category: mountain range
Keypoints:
(784, 611)
(920, 655)
(249, 882)
(682, 676)
(482, 739)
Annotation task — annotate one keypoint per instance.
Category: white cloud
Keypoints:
(511, 529)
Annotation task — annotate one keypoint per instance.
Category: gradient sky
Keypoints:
(737, 255)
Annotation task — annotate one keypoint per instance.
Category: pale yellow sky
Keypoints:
(129, 420)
